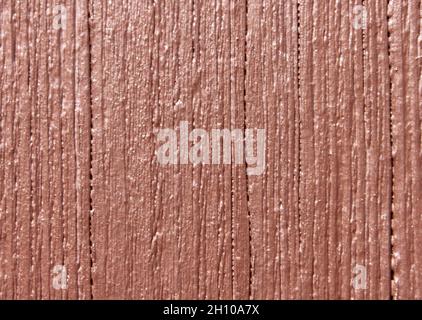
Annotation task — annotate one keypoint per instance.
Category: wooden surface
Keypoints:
(336, 85)
(405, 30)
(45, 152)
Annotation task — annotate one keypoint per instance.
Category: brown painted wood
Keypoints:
(174, 231)
(405, 67)
(344, 150)
(45, 151)
(378, 193)
(272, 103)
(81, 184)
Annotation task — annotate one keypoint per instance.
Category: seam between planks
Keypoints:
(88, 8)
(245, 70)
(299, 127)
(388, 3)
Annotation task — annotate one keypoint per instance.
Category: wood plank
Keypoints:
(377, 87)
(344, 151)
(405, 61)
(272, 104)
(45, 151)
(175, 231)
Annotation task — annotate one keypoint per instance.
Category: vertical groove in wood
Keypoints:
(405, 67)
(242, 260)
(45, 125)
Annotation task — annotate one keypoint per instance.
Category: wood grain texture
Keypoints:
(344, 150)
(405, 67)
(272, 103)
(45, 151)
(173, 231)
(337, 87)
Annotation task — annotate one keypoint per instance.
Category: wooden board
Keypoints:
(333, 212)
(406, 87)
(345, 180)
(45, 151)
